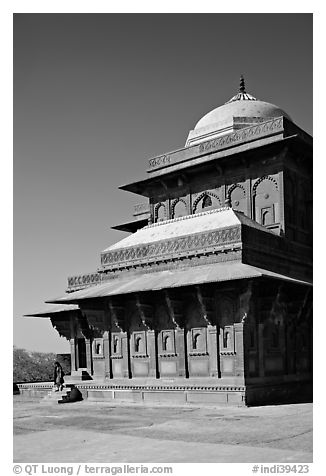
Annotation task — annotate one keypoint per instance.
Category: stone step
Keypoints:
(63, 396)
(55, 397)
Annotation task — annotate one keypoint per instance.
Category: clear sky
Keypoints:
(97, 95)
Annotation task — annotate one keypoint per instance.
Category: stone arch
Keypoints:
(262, 179)
(266, 201)
(236, 196)
(179, 208)
(167, 343)
(160, 212)
(116, 344)
(197, 341)
(215, 201)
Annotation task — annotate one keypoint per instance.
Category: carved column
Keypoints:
(206, 305)
(73, 344)
(261, 350)
(89, 360)
(242, 332)
(118, 321)
(107, 353)
(147, 317)
(239, 367)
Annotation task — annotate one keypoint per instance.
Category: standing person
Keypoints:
(58, 377)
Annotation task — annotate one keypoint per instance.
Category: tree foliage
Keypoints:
(33, 366)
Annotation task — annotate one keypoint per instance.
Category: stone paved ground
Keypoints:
(101, 432)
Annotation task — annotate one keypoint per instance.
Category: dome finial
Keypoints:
(242, 88)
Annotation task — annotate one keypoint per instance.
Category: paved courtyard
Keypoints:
(107, 433)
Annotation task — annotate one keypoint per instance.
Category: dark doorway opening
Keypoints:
(82, 362)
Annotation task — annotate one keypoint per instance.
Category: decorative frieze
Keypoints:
(84, 280)
(164, 249)
(242, 135)
(219, 143)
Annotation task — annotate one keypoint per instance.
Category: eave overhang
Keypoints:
(157, 281)
(57, 311)
(131, 226)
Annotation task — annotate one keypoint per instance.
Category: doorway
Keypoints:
(81, 346)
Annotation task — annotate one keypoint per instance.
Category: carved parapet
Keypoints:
(177, 248)
(83, 281)
(246, 134)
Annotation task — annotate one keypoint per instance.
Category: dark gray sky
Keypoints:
(95, 96)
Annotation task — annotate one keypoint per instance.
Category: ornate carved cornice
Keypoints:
(190, 245)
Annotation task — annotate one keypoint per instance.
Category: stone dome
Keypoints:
(242, 110)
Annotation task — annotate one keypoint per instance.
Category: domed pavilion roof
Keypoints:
(242, 110)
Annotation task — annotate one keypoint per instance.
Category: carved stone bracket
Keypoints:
(279, 306)
(83, 326)
(246, 302)
(62, 327)
(305, 309)
(206, 304)
(96, 319)
(146, 313)
(175, 309)
(118, 316)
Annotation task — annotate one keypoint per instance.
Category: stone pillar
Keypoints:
(212, 347)
(125, 350)
(73, 355)
(180, 351)
(261, 356)
(151, 352)
(107, 354)
(89, 361)
(239, 362)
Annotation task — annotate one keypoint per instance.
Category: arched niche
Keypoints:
(165, 327)
(206, 201)
(237, 197)
(160, 212)
(179, 209)
(196, 330)
(266, 201)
